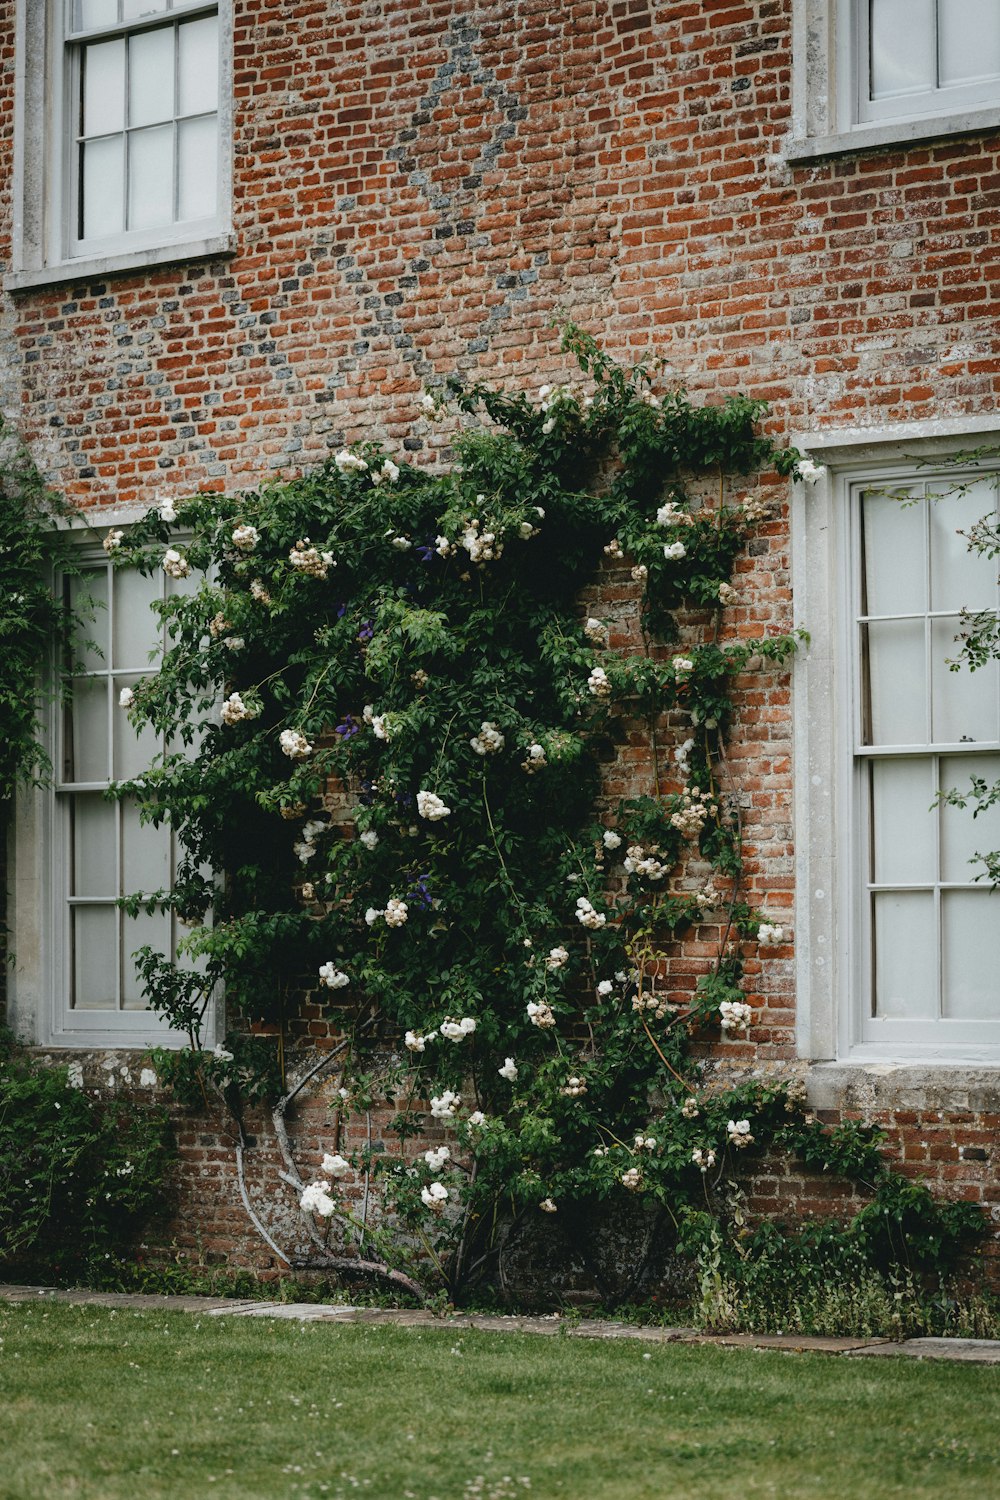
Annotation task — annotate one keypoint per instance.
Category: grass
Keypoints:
(97, 1404)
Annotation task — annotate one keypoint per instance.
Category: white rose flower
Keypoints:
(811, 472)
(431, 807)
(126, 698)
(598, 684)
(769, 935)
(435, 1196)
(369, 838)
(674, 551)
(245, 538)
(174, 564)
(348, 462)
(316, 1199)
(509, 1070)
(610, 839)
(396, 912)
(332, 977)
(294, 744)
(112, 541)
(547, 1206)
(336, 1166)
(445, 1106)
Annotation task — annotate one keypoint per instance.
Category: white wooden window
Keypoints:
(102, 852)
(123, 124)
(928, 936)
(920, 57)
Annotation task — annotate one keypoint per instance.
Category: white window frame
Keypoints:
(829, 58)
(832, 991)
(38, 914)
(43, 251)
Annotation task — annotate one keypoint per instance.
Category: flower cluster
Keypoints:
(703, 1158)
(305, 558)
(632, 1179)
(431, 807)
(305, 849)
(642, 862)
(457, 1031)
(234, 710)
(598, 683)
(414, 1041)
(535, 759)
(645, 1143)
(540, 1014)
(482, 546)
(436, 1158)
(112, 542)
(556, 957)
(734, 1015)
(316, 1199)
(332, 977)
(596, 632)
(386, 473)
(770, 936)
(738, 1132)
(435, 1197)
(694, 810)
(509, 1070)
(574, 1087)
(445, 1106)
(175, 565)
(245, 538)
(336, 1165)
(674, 551)
(489, 740)
(349, 463)
(587, 916)
(294, 744)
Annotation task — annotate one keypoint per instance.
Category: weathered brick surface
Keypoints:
(423, 185)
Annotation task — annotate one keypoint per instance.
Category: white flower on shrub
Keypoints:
(674, 551)
(332, 977)
(640, 573)
(540, 1014)
(670, 514)
(369, 838)
(682, 666)
(175, 565)
(689, 1109)
(534, 760)
(547, 1206)
(386, 473)
(509, 1070)
(604, 988)
(445, 1106)
(414, 1041)
(167, 512)
(306, 558)
(705, 1159)
(294, 744)
(614, 548)
(222, 1054)
(245, 537)
(435, 1196)
(596, 631)
(556, 958)
(402, 543)
(574, 1087)
(316, 1199)
(489, 740)
(610, 839)
(811, 472)
(436, 1158)
(632, 1179)
(126, 698)
(754, 508)
(396, 912)
(336, 1166)
(727, 594)
(587, 916)
(477, 1118)
(598, 684)
(431, 807)
(734, 1015)
(113, 541)
(349, 463)
(769, 935)
(234, 710)
(738, 1132)
(457, 1031)
(259, 592)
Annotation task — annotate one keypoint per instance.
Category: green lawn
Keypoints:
(102, 1405)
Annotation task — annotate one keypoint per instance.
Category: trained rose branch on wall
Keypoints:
(488, 930)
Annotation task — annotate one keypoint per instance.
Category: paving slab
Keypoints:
(968, 1351)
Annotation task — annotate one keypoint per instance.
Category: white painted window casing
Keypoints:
(122, 136)
(868, 73)
(898, 943)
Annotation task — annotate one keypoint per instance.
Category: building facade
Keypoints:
(237, 234)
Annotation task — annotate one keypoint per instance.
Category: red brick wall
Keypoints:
(424, 185)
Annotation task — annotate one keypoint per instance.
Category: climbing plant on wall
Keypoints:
(390, 714)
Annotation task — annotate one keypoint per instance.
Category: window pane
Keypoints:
(902, 47)
(965, 703)
(88, 722)
(969, 41)
(151, 177)
(197, 150)
(897, 689)
(138, 932)
(198, 68)
(902, 822)
(151, 76)
(92, 648)
(90, 13)
(95, 957)
(95, 867)
(894, 574)
(133, 752)
(103, 181)
(137, 629)
(961, 833)
(961, 579)
(104, 88)
(971, 954)
(905, 958)
(145, 853)
(135, 8)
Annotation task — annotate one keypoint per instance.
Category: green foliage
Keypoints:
(79, 1177)
(33, 622)
(407, 648)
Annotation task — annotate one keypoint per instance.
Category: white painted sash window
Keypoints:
(918, 57)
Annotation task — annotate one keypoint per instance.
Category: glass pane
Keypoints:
(905, 957)
(88, 724)
(961, 579)
(145, 854)
(151, 76)
(92, 648)
(969, 41)
(962, 834)
(965, 703)
(138, 932)
(136, 628)
(197, 152)
(198, 67)
(135, 8)
(902, 822)
(133, 752)
(894, 574)
(95, 867)
(151, 177)
(971, 954)
(897, 689)
(103, 181)
(902, 47)
(104, 87)
(95, 958)
(91, 13)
